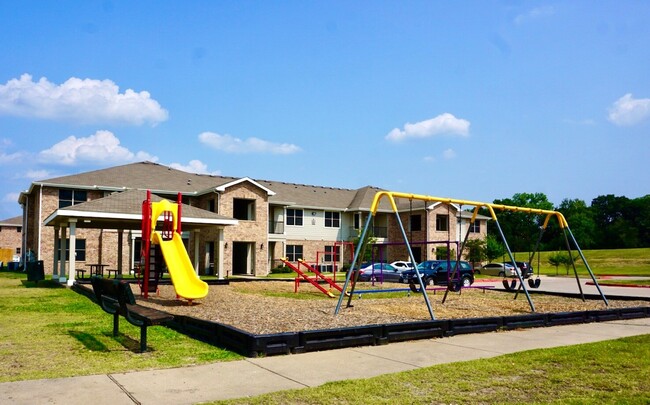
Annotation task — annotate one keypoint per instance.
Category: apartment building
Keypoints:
(231, 226)
(10, 239)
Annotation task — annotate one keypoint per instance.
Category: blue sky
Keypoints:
(474, 100)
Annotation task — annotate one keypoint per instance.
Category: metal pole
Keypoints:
(460, 255)
(584, 260)
(575, 271)
(512, 258)
(362, 240)
(532, 256)
(417, 272)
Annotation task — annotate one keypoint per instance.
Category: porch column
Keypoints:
(73, 251)
(221, 249)
(63, 246)
(197, 260)
(55, 257)
(120, 249)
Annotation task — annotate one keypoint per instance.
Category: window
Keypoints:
(294, 217)
(294, 252)
(475, 227)
(80, 249)
(71, 197)
(442, 222)
(332, 219)
(357, 220)
(243, 209)
(212, 205)
(416, 222)
(331, 254)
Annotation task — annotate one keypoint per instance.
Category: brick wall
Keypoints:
(254, 232)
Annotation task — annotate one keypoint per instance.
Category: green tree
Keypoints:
(520, 228)
(581, 223)
(476, 251)
(558, 259)
(493, 248)
(366, 250)
(641, 207)
(612, 217)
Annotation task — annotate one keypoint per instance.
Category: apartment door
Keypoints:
(243, 257)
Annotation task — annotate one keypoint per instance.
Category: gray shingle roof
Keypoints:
(166, 180)
(127, 206)
(163, 179)
(15, 221)
(143, 176)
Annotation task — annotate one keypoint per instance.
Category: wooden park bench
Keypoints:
(116, 298)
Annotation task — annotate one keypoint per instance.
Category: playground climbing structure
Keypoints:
(186, 283)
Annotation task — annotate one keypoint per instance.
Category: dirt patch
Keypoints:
(251, 306)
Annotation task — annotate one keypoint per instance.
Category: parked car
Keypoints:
(436, 272)
(525, 268)
(499, 269)
(380, 272)
(402, 265)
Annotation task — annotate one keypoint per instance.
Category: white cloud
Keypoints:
(79, 100)
(10, 158)
(230, 144)
(102, 147)
(194, 166)
(537, 12)
(442, 124)
(629, 111)
(449, 154)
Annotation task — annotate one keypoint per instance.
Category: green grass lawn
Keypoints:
(609, 372)
(631, 262)
(50, 331)
(625, 282)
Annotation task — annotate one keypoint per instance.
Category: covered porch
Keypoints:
(121, 213)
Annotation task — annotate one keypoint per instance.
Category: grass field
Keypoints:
(609, 372)
(631, 262)
(49, 331)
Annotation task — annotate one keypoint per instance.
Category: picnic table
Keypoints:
(97, 269)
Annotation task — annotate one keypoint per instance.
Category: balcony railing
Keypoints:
(276, 227)
(376, 231)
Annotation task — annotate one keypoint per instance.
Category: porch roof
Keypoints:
(124, 211)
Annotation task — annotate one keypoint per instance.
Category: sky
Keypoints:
(474, 100)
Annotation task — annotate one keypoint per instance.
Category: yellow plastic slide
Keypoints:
(187, 284)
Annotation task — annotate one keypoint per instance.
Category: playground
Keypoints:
(260, 307)
(268, 307)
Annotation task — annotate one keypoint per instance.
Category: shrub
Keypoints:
(281, 270)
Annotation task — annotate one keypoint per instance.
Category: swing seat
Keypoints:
(534, 283)
(510, 286)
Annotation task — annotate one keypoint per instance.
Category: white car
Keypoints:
(402, 265)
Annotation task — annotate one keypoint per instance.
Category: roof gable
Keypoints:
(223, 187)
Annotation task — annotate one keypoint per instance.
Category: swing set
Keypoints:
(492, 208)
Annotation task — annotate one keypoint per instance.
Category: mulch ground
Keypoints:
(252, 306)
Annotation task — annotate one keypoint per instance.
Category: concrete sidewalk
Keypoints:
(251, 377)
